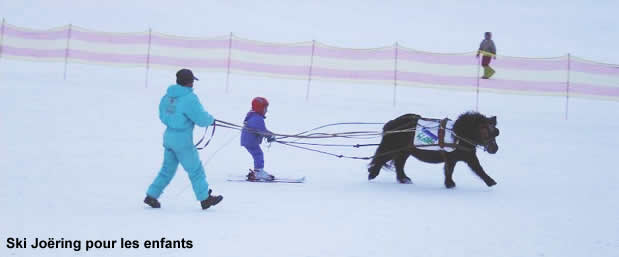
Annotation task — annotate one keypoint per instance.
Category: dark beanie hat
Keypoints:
(184, 77)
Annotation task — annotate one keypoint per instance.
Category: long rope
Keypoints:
(338, 124)
(197, 145)
(352, 134)
(341, 155)
(332, 145)
(324, 152)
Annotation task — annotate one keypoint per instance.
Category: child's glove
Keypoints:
(270, 139)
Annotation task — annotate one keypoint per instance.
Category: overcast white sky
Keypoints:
(527, 28)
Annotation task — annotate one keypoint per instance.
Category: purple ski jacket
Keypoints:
(254, 122)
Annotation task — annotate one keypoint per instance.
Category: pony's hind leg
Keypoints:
(380, 159)
(377, 164)
(387, 150)
(400, 161)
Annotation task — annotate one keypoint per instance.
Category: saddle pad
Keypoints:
(426, 136)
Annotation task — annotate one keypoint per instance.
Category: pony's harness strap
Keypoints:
(442, 130)
(448, 145)
(441, 133)
(430, 119)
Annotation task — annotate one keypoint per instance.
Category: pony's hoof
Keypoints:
(450, 184)
(405, 180)
(372, 175)
(491, 183)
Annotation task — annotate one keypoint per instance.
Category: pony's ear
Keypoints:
(493, 120)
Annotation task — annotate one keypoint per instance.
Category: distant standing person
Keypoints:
(488, 51)
(180, 109)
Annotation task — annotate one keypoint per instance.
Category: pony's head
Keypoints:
(488, 133)
(479, 129)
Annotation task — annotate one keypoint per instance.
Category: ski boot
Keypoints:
(259, 175)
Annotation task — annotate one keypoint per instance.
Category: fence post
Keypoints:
(309, 76)
(229, 55)
(477, 90)
(150, 33)
(567, 85)
(66, 52)
(395, 72)
(2, 38)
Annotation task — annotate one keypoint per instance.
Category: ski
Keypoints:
(276, 180)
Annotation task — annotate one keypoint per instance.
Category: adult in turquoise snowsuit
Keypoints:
(180, 110)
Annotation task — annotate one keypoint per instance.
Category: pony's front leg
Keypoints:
(476, 167)
(449, 171)
(399, 162)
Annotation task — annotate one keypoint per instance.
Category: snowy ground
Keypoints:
(77, 155)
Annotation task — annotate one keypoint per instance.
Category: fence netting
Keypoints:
(394, 65)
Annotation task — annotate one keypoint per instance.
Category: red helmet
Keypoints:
(259, 105)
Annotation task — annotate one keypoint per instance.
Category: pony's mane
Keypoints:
(467, 124)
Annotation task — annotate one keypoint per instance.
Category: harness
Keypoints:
(430, 134)
(438, 135)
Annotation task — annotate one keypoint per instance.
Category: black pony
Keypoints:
(472, 129)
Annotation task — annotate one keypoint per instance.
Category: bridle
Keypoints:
(488, 132)
(484, 132)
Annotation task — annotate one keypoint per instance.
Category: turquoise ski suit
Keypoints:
(180, 110)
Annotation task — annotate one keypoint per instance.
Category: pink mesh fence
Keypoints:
(394, 65)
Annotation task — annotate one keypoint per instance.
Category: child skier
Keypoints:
(254, 131)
